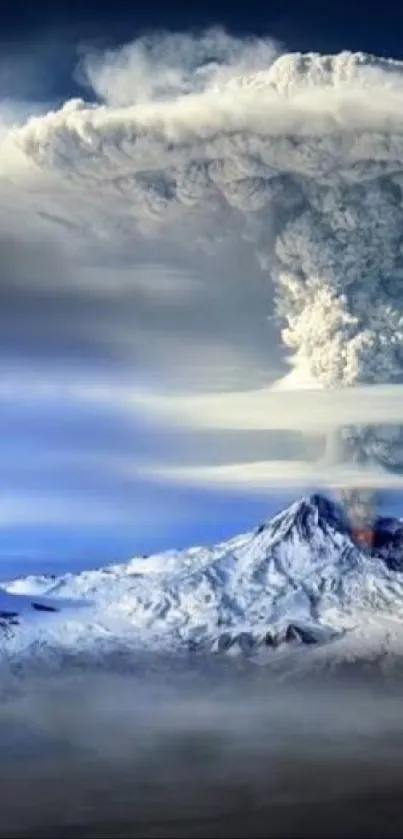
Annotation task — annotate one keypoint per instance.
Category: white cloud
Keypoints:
(157, 67)
(304, 159)
(156, 227)
(270, 408)
(269, 475)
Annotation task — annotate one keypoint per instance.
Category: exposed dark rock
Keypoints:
(249, 643)
(301, 634)
(42, 607)
(388, 542)
(224, 642)
(260, 529)
(7, 621)
(246, 642)
(269, 640)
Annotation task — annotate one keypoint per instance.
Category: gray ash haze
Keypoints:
(231, 753)
(197, 141)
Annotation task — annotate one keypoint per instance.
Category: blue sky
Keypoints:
(71, 488)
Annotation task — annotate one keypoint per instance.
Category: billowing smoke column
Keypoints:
(301, 154)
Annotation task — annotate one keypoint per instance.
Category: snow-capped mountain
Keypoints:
(296, 581)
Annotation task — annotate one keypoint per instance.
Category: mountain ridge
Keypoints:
(297, 579)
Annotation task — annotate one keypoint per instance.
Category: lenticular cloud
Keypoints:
(300, 155)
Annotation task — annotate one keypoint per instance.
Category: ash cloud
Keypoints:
(203, 141)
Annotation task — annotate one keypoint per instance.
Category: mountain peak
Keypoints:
(306, 515)
(322, 508)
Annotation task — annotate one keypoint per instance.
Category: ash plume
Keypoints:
(301, 156)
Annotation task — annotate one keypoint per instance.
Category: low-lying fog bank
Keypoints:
(198, 755)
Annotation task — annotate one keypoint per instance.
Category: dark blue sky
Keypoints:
(298, 24)
(301, 24)
(40, 45)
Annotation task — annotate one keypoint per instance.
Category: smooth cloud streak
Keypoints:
(303, 410)
(277, 474)
(306, 409)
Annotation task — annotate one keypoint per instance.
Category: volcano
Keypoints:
(298, 581)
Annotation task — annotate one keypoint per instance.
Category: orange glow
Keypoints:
(363, 536)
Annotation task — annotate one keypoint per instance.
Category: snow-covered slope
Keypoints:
(296, 581)
(16, 608)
